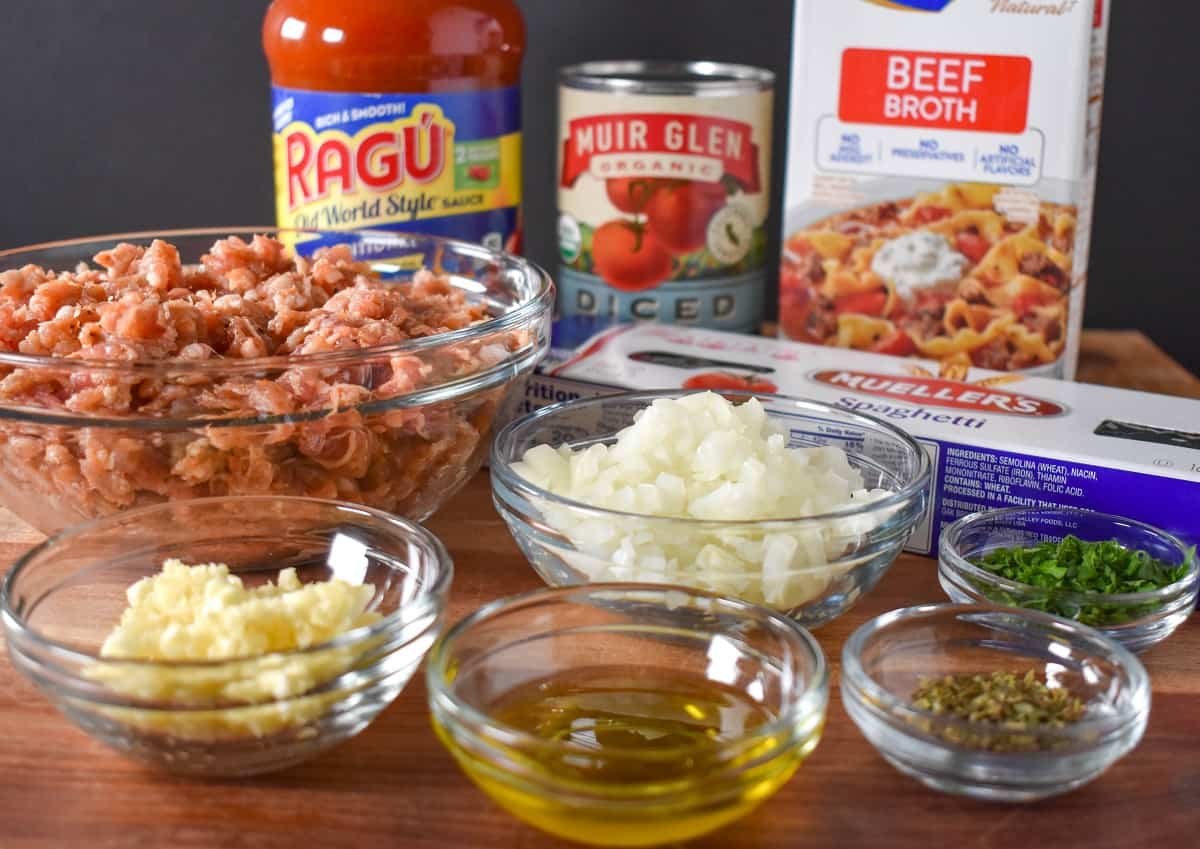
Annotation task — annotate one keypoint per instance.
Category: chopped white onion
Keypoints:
(701, 457)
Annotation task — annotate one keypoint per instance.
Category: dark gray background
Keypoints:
(151, 114)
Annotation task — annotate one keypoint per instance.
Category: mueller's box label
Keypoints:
(940, 393)
(441, 164)
(663, 206)
(941, 163)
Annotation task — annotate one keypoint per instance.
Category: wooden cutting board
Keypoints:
(394, 786)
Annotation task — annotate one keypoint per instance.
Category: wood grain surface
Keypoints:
(394, 786)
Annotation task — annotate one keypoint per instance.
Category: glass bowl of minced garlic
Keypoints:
(227, 636)
(991, 703)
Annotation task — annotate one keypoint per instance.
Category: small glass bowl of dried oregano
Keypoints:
(1134, 582)
(993, 703)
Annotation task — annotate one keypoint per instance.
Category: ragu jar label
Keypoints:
(662, 193)
(441, 164)
(941, 169)
(379, 157)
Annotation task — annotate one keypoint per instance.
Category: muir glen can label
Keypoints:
(664, 187)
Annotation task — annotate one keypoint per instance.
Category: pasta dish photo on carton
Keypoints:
(995, 439)
(941, 169)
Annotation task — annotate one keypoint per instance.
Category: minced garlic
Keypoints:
(204, 613)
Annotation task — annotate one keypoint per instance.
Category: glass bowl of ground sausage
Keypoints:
(362, 366)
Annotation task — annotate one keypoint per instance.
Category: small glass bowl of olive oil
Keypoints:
(628, 714)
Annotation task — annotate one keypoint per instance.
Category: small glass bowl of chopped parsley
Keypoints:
(993, 703)
(1131, 581)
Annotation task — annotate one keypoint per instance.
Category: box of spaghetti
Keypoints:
(995, 439)
(941, 166)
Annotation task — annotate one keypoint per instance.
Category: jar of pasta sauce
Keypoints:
(663, 193)
(398, 115)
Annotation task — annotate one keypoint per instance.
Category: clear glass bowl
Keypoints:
(251, 426)
(61, 600)
(569, 542)
(885, 660)
(638, 786)
(1136, 620)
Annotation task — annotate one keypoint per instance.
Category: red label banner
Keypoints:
(950, 91)
(662, 135)
(936, 392)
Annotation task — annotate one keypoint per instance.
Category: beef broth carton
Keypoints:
(941, 165)
(994, 439)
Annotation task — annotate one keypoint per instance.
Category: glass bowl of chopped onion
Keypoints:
(796, 505)
(992, 703)
(361, 366)
(227, 636)
(1131, 581)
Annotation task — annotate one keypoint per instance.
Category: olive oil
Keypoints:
(633, 758)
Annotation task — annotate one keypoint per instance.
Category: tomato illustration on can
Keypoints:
(628, 256)
(662, 192)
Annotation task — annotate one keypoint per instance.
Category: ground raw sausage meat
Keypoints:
(205, 425)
